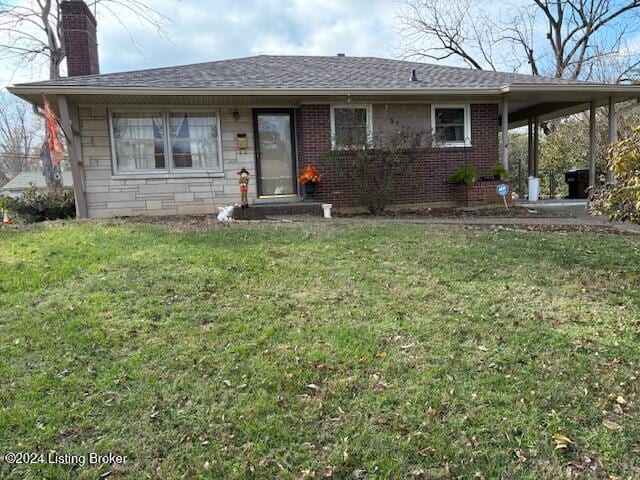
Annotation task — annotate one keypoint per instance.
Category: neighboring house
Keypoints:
(17, 185)
(170, 140)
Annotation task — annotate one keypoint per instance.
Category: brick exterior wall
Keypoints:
(480, 193)
(427, 178)
(80, 41)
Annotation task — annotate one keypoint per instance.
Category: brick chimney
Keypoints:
(80, 42)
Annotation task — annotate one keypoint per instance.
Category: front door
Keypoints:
(275, 158)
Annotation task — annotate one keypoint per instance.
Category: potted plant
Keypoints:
(310, 177)
(499, 172)
(465, 175)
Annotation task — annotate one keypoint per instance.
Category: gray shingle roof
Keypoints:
(305, 72)
(24, 179)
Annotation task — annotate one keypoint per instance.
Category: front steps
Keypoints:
(264, 211)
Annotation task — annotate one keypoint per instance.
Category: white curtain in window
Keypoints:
(194, 140)
(139, 141)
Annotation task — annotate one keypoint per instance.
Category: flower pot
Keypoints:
(310, 190)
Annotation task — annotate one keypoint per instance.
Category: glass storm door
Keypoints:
(274, 152)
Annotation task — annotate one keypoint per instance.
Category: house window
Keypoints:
(194, 141)
(139, 141)
(350, 126)
(451, 125)
(166, 141)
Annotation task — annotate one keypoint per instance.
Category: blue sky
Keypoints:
(204, 30)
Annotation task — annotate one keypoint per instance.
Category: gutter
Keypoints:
(90, 90)
(593, 88)
(505, 89)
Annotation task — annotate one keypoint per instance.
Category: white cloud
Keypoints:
(204, 30)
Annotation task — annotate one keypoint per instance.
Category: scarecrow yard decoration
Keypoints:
(244, 187)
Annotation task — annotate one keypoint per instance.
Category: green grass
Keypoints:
(310, 350)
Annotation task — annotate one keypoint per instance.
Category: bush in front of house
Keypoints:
(500, 172)
(37, 205)
(464, 175)
(621, 201)
(375, 169)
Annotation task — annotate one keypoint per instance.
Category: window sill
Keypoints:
(354, 148)
(165, 175)
(452, 145)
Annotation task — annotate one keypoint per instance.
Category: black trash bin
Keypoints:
(578, 182)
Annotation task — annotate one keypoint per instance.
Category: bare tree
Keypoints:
(19, 137)
(31, 31)
(572, 39)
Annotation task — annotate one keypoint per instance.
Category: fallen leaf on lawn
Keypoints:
(483, 348)
(519, 455)
(562, 441)
(620, 400)
(359, 473)
(226, 383)
(617, 409)
(313, 386)
(381, 354)
(427, 452)
(417, 472)
(111, 398)
(636, 448)
(327, 472)
(432, 411)
(611, 425)
(207, 465)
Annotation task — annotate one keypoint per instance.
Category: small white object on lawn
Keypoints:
(225, 213)
(327, 209)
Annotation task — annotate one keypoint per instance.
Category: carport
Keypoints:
(531, 105)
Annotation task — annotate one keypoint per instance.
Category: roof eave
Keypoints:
(90, 90)
(587, 88)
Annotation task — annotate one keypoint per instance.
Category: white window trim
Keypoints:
(169, 169)
(467, 124)
(353, 106)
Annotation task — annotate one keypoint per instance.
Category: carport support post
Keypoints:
(530, 147)
(505, 132)
(536, 145)
(592, 145)
(71, 128)
(613, 134)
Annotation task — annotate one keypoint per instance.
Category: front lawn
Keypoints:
(320, 350)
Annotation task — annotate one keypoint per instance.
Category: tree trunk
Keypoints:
(52, 175)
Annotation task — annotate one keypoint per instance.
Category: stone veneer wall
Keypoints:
(112, 195)
(426, 180)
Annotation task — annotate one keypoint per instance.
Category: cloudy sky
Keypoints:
(204, 30)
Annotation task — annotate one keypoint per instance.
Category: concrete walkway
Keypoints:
(553, 216)
(510, 221)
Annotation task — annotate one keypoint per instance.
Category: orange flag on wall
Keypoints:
(55, 147)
